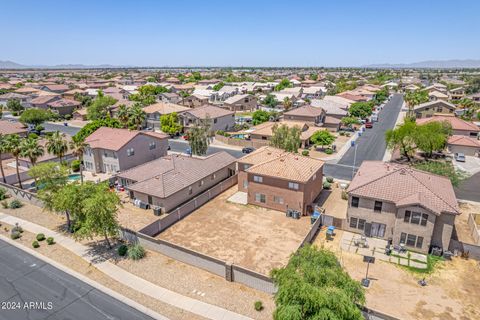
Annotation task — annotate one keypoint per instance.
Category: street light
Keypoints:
(354, 157)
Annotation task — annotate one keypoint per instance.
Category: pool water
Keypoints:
(74, 177)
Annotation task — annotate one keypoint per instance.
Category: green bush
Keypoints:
(348, 134)
(32, 136)
(305, 153)
(327, 185)
(15, 204)
(330, 179)
(258, 305)
(328, 151)
(68, 117)
(75, 165)
(50, 241)
(40, 237)
(122, 250)
(344, 195)
(5, 204)
(136, 252)
(3, 194)
(15, 235)
(35, 244)
(342, 133)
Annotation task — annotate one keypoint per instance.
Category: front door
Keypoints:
(378, 230)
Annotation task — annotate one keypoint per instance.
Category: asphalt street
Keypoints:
(33, 289)
(469, 189)
(182, 145)
(370, 146)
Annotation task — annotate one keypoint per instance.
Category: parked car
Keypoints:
(247, 150)
(460, 157)
(188, 151)
(369, 125)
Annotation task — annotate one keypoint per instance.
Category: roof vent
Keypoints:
(402, 171)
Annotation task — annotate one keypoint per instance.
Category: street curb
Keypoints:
(96, 285)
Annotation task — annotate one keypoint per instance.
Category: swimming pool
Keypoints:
(74, 177)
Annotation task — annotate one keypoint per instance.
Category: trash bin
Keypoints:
(352, 143)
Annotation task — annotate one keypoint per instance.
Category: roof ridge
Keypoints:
(374, 180)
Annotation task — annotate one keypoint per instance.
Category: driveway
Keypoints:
(25, 278)
(178, 145)
(370, 146)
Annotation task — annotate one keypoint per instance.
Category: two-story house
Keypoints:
(309, 114)
(172, 180)
(218, 118)
(241, 102)
(457, 93)
(112, 150)
(398, 203)
(280, 180)
(155, 111)
(428, 109)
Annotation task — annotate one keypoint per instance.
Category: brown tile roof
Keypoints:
(404, 186)
(456, 123)
(435, 103)
(167, 175)
(43, 99)
(306, 111)
(165, 108)
(352, 97)
(57, 87)
(464, 141)
(209, 111)
(286, 165)
(114, 139)
(7, 127)
(261, 155)
(13, 95)
(63, 103)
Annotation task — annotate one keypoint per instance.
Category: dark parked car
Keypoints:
(369, 125)
(247, 150)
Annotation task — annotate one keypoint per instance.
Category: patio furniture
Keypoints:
(330, 232)
(362, 242)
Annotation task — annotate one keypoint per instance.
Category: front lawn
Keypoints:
(442, 168)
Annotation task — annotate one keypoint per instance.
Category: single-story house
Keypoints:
(469, 146)
(459, 126)
(63, 106)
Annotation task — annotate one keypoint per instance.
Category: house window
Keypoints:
(293, 185)
(314, 176)
(378, 206)
(259, 197)
(353, 222)
(114, 155)
(213, 176)
(411, 240)
(214, 120)
(357, 223)
(150, 200)
(152, 145)
(245, 184)
(355, 201)
(258, 179)
(424, 219)
(278, 199)
(246, 166)
(130, 152)
(415, 219)
(200, 183)
(190, 190)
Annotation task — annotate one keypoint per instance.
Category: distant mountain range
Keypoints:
(13, 65)
(433, 64)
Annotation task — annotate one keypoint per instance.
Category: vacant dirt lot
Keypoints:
(252, 237)
(452, 291)
(464, 233)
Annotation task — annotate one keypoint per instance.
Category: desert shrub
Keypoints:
(35, 244)
(330, 179)
(75, 165)
(122, 250)
(136, 252)
(3, 194)
(258, 305)
(40, 237)
(342, 133)
(17, 228)
(328, 151)
(68, 117)
(327, 185)
(15, 204)
(50, 241)
(15, 235)
(348, 134)
(305, 153)
(5, 204)
(344, 195)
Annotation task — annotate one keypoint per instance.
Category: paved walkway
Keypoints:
(200, 308)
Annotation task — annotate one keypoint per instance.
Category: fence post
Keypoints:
(229, 271)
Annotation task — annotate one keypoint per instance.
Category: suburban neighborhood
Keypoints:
(205, 181)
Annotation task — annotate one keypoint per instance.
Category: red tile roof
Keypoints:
(114, 139)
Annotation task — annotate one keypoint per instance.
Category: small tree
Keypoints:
(402, 138)
(287, 103)
(57, 144)
(34, 116)
(260, 116)
(14, 105)
(170, 123)
(100, 107)
(198, 138)
(51, 176)
(349, 121)
(322, 138)
(270, 100)
(286, 138)
(432, 136)
(78, 147)
(360, 110)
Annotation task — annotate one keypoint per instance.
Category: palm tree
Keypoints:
(78, 147)
(136, 116)
(123, 115)
(12, 145)
(31, 149)
(2, 150)
(57, 145)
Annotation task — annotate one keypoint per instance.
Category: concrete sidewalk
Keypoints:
(200, 308)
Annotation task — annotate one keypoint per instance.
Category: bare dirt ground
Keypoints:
(156, 268)
(452, 291)
(132, 217)
(252, 237)
(464, 233)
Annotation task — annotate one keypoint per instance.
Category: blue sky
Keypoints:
(238, 33)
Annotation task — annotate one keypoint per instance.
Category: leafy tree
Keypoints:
(51, 177)
(13, 146)
(286, 138)
(322, 138)
(381, 96)
(360, 110)
(99, 211)
(57, 144)
(198, 138)
(100, 107)
(270, 101)
(285, 83)
(170, 123)
(3, 149)
(260, 116)
(402, 138)
(78, 148)
(14, 105)
(349, 121)
(31, 149)
(218, 86)
(34, 116)
(432, 136)
(313, 76)
(83, 99)
(287, 103)
(94, 125)
(314, 286)
(136, 116)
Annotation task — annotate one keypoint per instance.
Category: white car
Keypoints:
(460, 157)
